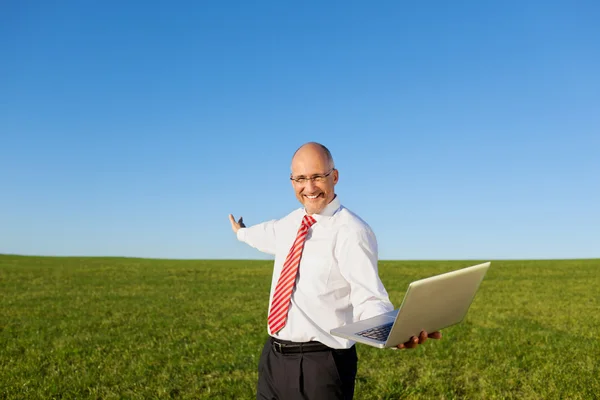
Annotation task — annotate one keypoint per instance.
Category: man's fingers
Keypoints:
(435, 335)
(411, 344)
(239, 222)
(236, 225)
(415, 341)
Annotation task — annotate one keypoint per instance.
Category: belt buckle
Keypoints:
(278, 347)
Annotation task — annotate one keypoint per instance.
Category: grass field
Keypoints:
(114, 328)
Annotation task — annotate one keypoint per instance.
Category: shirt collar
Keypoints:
(329, 210)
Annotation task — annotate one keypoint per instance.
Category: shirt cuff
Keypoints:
(241, 234)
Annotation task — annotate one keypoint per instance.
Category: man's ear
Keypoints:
(336, 176)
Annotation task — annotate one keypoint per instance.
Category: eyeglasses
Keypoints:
(315, 178)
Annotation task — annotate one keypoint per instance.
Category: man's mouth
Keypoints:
(312, 197)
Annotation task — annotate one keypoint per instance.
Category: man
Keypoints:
(325, 275)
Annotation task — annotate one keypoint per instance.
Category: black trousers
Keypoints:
(328, 374)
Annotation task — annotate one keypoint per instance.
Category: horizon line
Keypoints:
(271, 259)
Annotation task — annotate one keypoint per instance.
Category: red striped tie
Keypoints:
(285, 285)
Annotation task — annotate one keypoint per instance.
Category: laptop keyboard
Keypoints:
(378, 333)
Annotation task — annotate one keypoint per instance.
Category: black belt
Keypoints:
(285, 347)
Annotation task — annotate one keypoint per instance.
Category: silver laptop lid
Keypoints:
(436, 302)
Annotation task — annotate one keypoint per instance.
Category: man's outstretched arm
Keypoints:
(261, 236)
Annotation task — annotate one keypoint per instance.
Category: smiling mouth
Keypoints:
(312, 197)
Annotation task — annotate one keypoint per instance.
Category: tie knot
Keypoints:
(308, 221)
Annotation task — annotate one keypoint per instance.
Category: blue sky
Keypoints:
(463, 130)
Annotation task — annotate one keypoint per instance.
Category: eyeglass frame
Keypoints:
(315, 178)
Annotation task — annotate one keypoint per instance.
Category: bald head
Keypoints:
(314, 150)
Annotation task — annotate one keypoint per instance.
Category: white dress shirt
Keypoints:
(337, 282)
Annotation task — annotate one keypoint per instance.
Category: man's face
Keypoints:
(314, 194)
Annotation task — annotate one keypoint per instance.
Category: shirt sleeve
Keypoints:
(261, 236)
(357, 256)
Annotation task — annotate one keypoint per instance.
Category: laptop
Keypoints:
(429, 304)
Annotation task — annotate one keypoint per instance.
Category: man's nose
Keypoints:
(310, 185)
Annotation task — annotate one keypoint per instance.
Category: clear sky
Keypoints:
(461, 130)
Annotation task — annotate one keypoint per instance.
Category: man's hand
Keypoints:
(235, 226)
(415, 341)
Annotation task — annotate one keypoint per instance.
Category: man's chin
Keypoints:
(310, 209)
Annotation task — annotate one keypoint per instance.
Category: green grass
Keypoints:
(114, 328)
